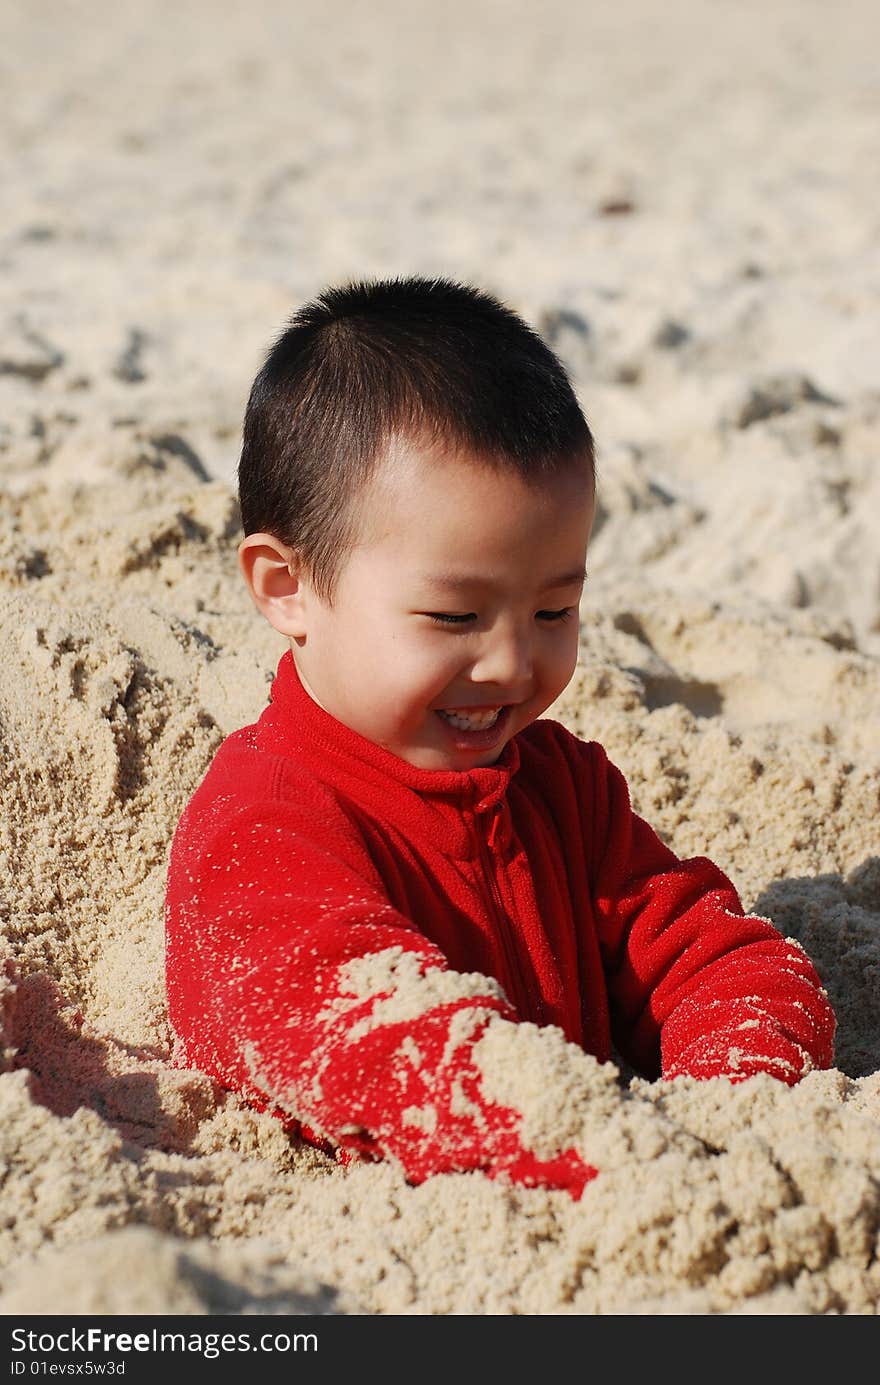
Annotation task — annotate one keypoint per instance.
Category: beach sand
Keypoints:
(681, 198)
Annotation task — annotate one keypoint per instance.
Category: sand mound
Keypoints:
(138, 1270)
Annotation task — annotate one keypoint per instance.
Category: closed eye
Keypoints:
(443, 618)
(565, 614)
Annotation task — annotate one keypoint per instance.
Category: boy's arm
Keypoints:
(291, 978)
(697, 986)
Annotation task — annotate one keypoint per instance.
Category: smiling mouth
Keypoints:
(471, 719)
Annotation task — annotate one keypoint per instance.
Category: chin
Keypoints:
(426, 759)
(465, 761)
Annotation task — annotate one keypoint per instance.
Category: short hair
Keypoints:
(406, 357)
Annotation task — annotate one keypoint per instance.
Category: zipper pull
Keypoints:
(495, 826)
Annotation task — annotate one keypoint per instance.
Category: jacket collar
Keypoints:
(303, 723)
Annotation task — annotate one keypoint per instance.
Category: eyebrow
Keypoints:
(450, 581)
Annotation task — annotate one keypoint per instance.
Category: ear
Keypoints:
(274, 576)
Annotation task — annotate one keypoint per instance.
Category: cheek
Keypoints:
(423, 671)
(563, 662)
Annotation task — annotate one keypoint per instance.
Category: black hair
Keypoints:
(407, 357)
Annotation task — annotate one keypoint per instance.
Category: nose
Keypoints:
(506, 658)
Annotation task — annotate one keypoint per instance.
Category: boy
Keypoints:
(400, 851)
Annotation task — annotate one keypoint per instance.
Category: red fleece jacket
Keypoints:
(333, 915)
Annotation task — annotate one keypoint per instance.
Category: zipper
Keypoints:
(518, 986)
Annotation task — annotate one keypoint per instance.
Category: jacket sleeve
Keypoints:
(697, 987)
(291, 978)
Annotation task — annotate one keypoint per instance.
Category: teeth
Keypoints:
(473, 721)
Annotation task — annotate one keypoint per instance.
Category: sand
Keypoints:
(681, 198)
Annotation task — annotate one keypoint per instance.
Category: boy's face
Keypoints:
(454, 621)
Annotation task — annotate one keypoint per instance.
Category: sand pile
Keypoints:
(716, 299)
